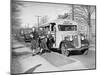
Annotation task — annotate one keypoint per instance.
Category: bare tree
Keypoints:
(64, 16)
(83, 13)
(44, 19)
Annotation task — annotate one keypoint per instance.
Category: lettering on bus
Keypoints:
(67, 23)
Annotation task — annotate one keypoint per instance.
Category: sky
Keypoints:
(30, 11)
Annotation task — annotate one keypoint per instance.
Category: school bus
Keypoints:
(66, 36)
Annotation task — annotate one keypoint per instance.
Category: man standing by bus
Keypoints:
(35, 42)
(43, 40)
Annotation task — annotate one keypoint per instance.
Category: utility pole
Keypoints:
(38, 18)
(72, 12)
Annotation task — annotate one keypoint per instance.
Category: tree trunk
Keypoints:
(72, 12)
(89, 23)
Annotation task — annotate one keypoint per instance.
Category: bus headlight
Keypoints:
(82, 37)
(71, 38)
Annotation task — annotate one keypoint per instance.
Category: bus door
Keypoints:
(53, 32)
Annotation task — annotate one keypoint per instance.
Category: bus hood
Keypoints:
(72, 36)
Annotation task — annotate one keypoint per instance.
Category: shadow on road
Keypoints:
(75, 52)
(55, 50)
(31, 70)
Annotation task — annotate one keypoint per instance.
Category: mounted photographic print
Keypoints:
(52, 37)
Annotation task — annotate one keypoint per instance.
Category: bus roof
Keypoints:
(60, 21)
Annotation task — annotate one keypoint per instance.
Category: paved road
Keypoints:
(87, 60)
(23, 59)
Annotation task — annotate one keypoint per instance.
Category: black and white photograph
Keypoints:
(52, 37)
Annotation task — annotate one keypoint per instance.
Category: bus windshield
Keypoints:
(67, 27)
